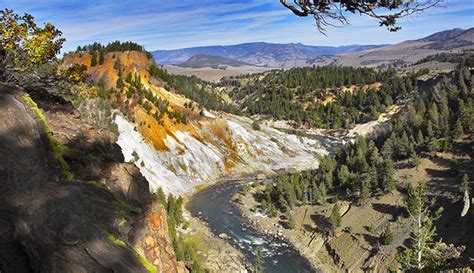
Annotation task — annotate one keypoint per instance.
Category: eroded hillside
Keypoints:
(177, 143)
(69, 202)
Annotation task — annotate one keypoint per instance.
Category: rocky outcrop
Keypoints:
(49, 224)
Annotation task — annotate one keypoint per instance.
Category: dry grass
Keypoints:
(214, 75)
(361, 249)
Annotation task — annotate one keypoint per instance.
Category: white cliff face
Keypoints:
(191, 162)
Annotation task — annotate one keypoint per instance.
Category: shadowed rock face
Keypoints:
(50, 225)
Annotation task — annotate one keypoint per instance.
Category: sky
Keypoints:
(160, 24)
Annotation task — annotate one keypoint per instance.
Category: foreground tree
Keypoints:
(423, 230)
(25, 48)
(424, 253)
(465, 185)
(330, 12)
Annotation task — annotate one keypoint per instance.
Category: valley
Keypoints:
(255, 157)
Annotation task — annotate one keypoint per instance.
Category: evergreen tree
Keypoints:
(335, 218)
(423, 230)
(322, 196)
(458, 129)
(429, 130)
(343, 175)
(420, 140)
(414, 160)
(387, 149)
(364, 192)
(94, 59)
(161, 197)
(119, 83)
(101, 58)
(388, 182)
(465, 185)
(255, 125)
(129, 79)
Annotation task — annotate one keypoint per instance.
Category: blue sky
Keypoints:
(160, 24)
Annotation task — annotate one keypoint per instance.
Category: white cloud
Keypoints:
(160, 24)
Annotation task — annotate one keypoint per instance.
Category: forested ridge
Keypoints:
(432, 120)
(323, 97)
(117, 46)
(193, 88)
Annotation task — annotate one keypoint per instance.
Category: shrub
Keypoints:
(387, 236)
(256, 125)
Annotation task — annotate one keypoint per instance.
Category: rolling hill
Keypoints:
(406, 52)
(205, 60)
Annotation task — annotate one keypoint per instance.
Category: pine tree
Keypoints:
(420, 140)
(458, 129)
(101, 58)
(119, 83)
(335, 218)
(161, 197)
(388, 182)
(128, 79)
(414, 160)
(429, 130)
(364, 192)
(387, 149)
(423, 229)
(343, 175)
(322, 193)
(94, 59)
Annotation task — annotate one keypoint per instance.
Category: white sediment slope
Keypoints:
(191, 162)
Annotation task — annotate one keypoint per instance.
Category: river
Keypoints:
(213, 205)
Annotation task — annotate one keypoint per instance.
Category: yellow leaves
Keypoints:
(40, 47)
(26, 45)
(84, 91)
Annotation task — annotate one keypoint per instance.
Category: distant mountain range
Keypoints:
(290, 55)
(260, 53)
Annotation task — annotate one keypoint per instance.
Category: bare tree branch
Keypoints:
(332, 12)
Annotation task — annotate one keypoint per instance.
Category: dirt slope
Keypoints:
(48, 224)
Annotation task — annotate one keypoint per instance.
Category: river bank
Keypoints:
(351, 246)
(213, 206)
(215, 254)
(305, 239)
